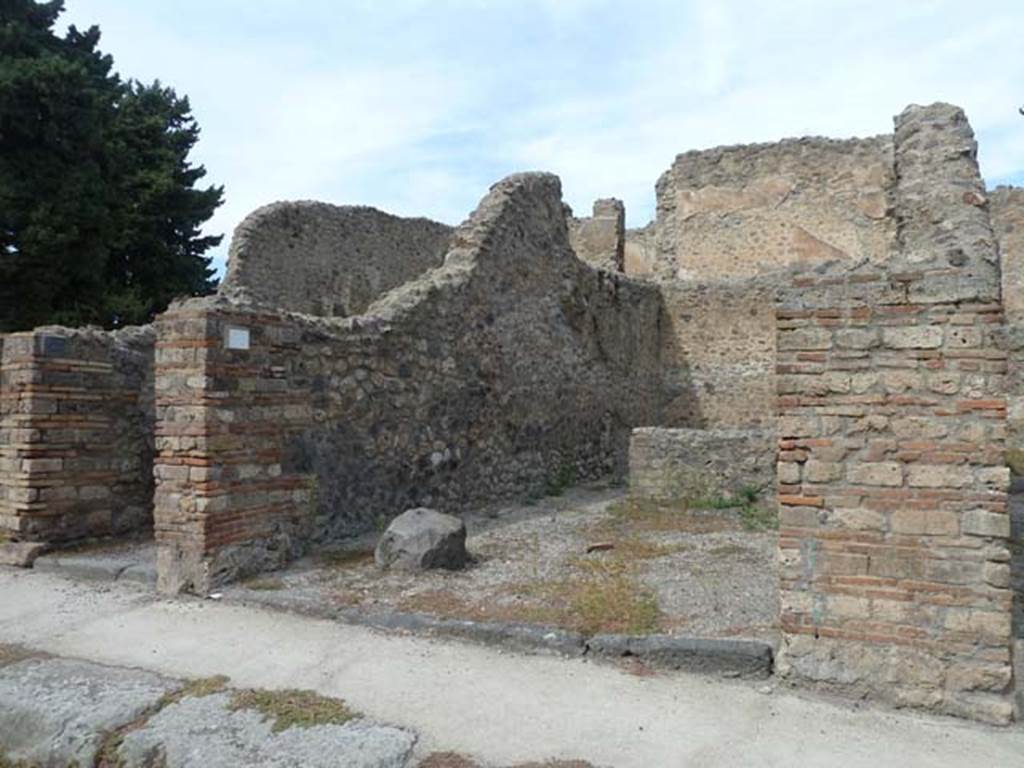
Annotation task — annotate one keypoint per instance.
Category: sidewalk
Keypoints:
(498, 707)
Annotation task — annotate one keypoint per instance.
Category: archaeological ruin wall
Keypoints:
(328, 260)
(76, 433)
(600, 239)
(512, 367)
(1006, 205)
(639, 253)
(892, 483)
(669, 464)
(733, 224)
(744, 210)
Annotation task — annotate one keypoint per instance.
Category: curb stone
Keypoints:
(726, 657)
(736, 658)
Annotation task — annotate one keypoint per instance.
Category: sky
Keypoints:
(418, 106)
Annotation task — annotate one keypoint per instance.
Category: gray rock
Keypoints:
(423, 538)
(20, 554)
(205, 733)
(54, 712)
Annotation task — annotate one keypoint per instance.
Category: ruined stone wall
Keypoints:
(892, 487)
(328, 260)
(76, 420)
(640, 251)
(718, 351)
(700, 463)
(742, 210)
(600, 239)
(511, 367)
(1006, 205)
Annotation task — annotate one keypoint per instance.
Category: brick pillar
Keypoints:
(225, 505)
(75, 421)
(893, 494)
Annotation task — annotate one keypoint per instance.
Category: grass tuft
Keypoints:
(1015, 460)
(265, 584)
(291, 708)
(346, 558)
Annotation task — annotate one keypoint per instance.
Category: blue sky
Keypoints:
(417, 106)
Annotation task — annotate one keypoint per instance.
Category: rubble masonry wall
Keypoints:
(513, 367)
(328, 260)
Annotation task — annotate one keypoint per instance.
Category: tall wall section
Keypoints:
(76, 420)
(733, 225)
(600, 239)
(895, 564)
(1007, 209)
(328, 260)
(512, 366)
(743, 210)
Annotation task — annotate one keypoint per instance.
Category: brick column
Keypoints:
(75, 420)
(893, 493)
(225, 506)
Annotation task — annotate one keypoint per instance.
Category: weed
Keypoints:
(346, 558)
(759, 517)
(660, 515)
(265, 584)
(292, 708)
(9, 654)
(563, 479)
(1015, 460)
(202, 686)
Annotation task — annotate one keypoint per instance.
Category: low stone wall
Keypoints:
(699, 463)
(600, 240)
(76, 420)
(892, 488)
(328, 260)
(512, 368)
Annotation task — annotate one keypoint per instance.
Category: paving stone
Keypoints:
(203, 732)
(55, 711)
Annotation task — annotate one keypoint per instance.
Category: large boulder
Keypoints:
(423, 538)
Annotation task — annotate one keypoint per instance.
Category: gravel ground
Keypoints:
(701, 573)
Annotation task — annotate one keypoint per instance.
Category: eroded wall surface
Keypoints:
(718, 351)
(706, 464)
(328, 260)
(895, 566)
(640, 251)
(76, 421)
(1006, 205)
(512, 366)
(600, 239)
(738, 211)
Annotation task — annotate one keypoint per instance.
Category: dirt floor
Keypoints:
(589, 560)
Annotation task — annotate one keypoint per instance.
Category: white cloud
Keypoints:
(417, 106)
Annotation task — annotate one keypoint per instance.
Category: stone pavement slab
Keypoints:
(204, 732)
(56, 711)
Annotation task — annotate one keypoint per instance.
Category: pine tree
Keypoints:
(99, 215)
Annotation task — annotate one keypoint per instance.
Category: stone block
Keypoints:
(912, 337)
(981, 522)
(883, 473)
(939, 476)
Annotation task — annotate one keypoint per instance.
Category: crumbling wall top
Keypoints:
(329, 260)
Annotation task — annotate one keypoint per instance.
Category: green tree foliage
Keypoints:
(100, 215)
